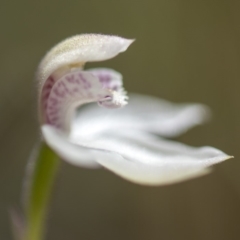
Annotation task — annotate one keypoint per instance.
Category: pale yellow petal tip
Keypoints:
(228, 157)
(127, 43)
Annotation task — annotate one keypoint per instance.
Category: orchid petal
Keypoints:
(146, 159)
(80, 49)
(143, 113)
(145, 174)
(136, 156)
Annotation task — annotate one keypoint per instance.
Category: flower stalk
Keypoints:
(43, 176)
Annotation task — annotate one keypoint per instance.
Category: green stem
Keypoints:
(39, 193)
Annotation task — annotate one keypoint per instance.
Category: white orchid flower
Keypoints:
(120, 138)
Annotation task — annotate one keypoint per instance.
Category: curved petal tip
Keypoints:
(126, 43)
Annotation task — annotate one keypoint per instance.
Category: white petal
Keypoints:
(72, 153)
(136, 156)
(80, 49)
(144, 113)
(145, 174)
(146, 159)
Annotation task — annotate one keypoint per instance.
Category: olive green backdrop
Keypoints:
(186, 50)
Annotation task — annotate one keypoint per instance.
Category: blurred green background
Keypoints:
(186, 50)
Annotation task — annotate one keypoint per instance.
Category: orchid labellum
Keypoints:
(124, 138)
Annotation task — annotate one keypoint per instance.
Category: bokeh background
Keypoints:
(186, 51)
